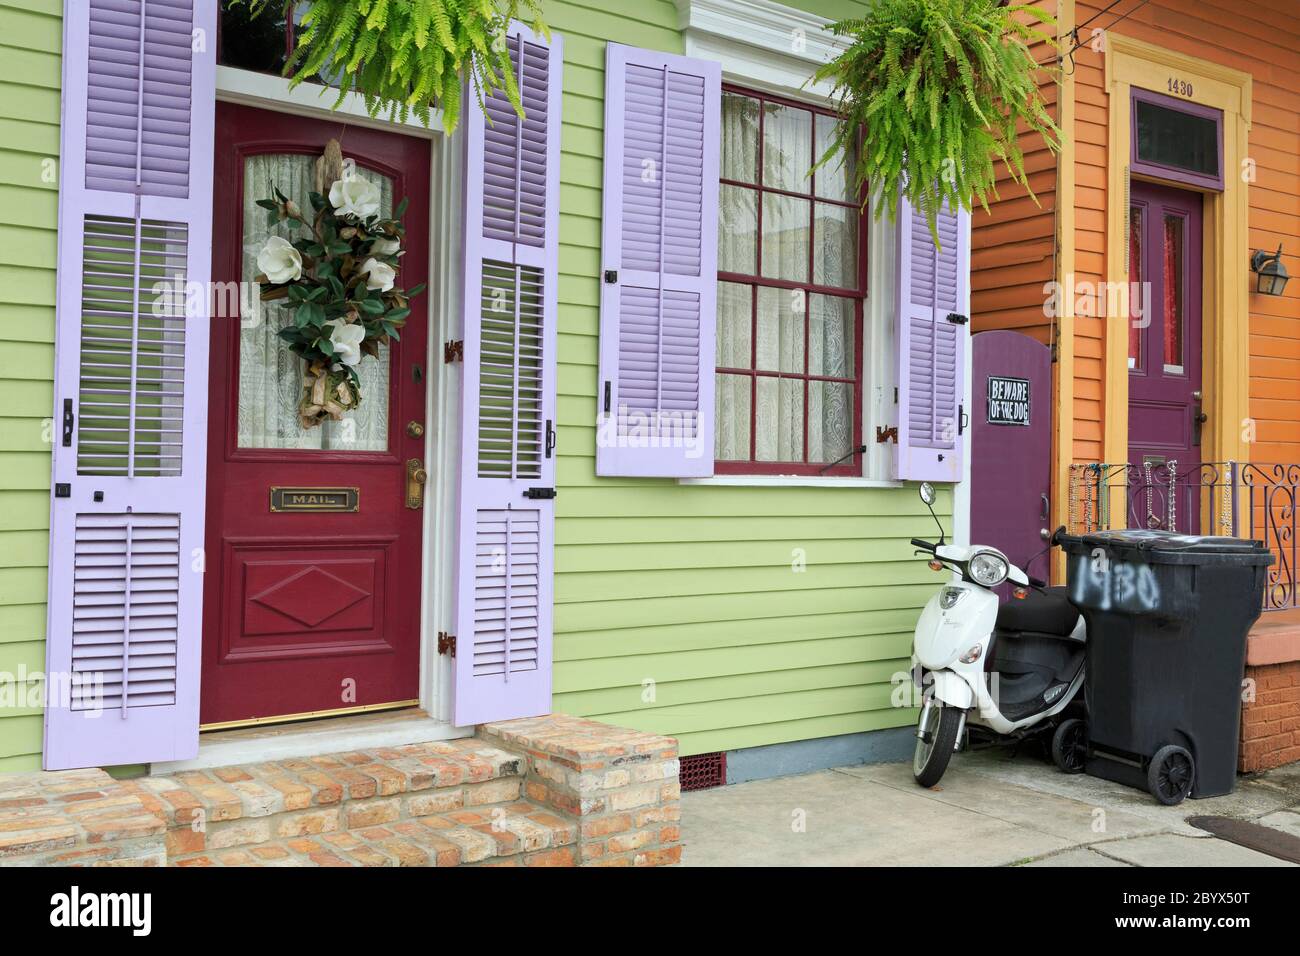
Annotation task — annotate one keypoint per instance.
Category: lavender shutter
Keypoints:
(507, 467)
(660, 264)
(126, 523)
(933, 284)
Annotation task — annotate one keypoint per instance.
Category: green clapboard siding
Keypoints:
(679, 608)
(31, 34)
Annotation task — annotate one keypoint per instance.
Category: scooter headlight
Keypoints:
(988, 568)
(949, 597)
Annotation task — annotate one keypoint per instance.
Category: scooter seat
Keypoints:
(1047, 612)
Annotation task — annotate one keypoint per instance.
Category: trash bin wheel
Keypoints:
(1170, 775)
(1070, 745)
(936, 739)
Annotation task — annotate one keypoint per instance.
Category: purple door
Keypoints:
(1164, 348)
(1011, 446)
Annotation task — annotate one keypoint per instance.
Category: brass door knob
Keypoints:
(415, 429)
(416, 477)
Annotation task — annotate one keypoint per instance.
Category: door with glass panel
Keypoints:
(1165, 404)
(312, 577)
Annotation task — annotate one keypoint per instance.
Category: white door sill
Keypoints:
(312, 738)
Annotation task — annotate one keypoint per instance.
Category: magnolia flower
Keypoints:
(379, 275)
(280, 261)
(355, 197)
(386, 247)
(346, 340)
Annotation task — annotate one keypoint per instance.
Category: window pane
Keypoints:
(778, 422)
(835, 179)
(831, 324)
(830, 420)
(787, 147)
(1136, 288)
(733, 404)
(835, 260)
(735, 328)
(780, 330)
(1171, 137)
(1172, 307)
(739, 137)
(738, 230)
(270, 376)
(252, 43)
(785, 237)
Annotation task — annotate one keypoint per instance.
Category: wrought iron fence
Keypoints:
(1244, 499)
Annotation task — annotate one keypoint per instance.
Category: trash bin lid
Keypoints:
(1167, 547)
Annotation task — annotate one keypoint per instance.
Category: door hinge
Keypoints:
(886, 434)
(540, 494)
(453, 352)
(446, 643)
(963, 420)
(956, 318)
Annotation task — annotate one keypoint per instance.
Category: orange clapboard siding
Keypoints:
(1262, 39)
(1012, 245)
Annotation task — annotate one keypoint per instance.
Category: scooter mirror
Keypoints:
(927, 493)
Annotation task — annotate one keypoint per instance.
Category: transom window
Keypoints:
(791, 276)
(1177, 140)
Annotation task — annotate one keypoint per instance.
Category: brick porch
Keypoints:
(547, 791)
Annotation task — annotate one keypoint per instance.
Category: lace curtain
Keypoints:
(766, 330)
(270, 376)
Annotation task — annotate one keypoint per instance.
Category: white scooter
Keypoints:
(1006, 668)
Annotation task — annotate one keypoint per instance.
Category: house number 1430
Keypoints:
(1180, 87)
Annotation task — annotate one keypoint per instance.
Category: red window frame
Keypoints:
(850, 466)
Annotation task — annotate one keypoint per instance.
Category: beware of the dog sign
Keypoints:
(1008, 400)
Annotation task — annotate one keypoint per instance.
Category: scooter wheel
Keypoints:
(1070, 745)
(936, 739)
(1170, 775)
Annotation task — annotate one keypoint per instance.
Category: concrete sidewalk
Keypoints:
(991, 809)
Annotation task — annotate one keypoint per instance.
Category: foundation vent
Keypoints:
(703, 771)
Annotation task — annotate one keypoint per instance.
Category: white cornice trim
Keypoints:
(760, 43)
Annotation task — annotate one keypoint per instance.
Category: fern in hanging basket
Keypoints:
(409, 57)
(931, 95)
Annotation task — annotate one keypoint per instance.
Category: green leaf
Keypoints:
(395, 314)
(412, 293)
(372, 306)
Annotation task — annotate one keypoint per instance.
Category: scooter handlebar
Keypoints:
(923, 545)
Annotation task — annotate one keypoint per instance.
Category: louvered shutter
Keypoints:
(507, 467)
(932, 309)
(659, 263)
(126, 525)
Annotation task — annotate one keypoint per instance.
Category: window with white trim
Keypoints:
(791, 280)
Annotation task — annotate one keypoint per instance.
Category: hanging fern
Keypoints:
(409, 57)
(931, 94)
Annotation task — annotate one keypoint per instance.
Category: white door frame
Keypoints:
(442, 391)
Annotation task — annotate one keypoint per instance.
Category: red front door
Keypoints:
(309, 611)
(1164, 406)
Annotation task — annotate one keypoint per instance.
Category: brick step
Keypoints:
(518, 833)
(253, 804)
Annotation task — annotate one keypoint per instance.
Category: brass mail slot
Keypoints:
(315, 499)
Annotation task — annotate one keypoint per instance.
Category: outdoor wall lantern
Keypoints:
(1272, 274)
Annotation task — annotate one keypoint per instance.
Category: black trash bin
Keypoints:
(1167, 618)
